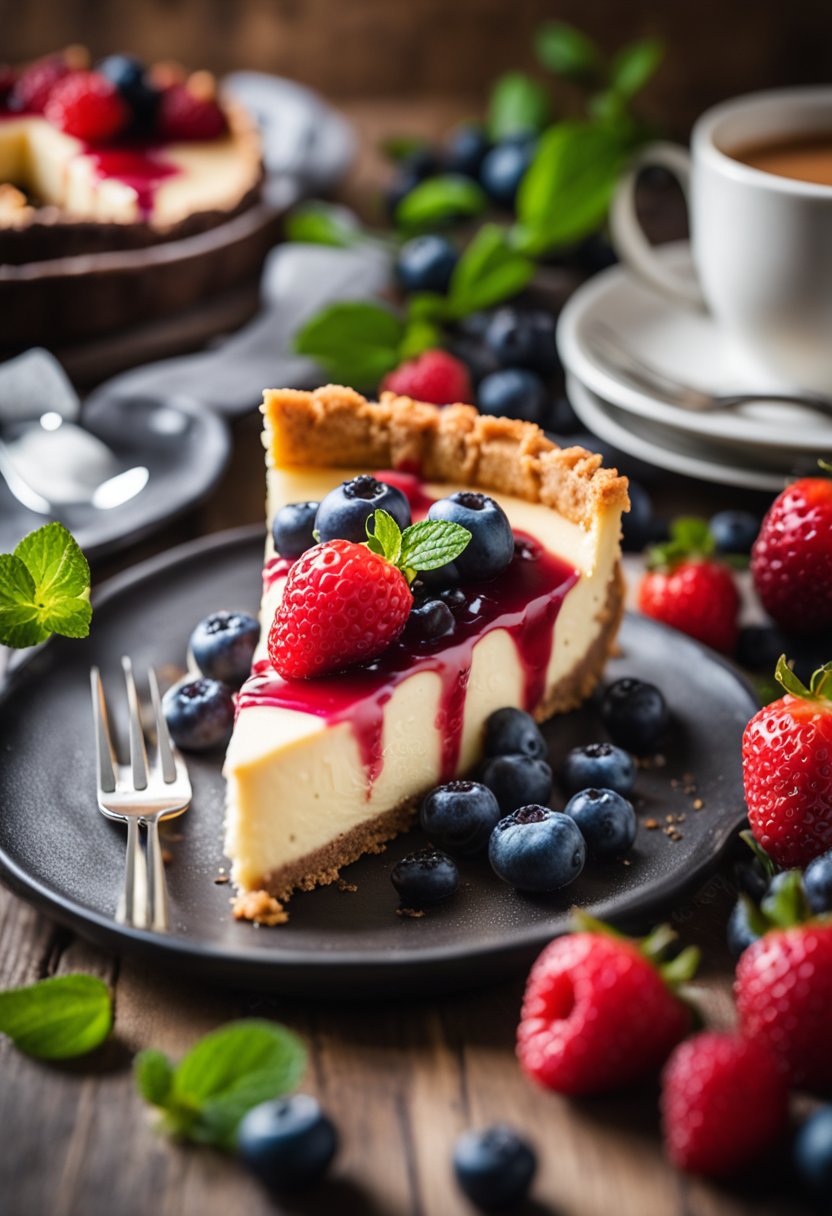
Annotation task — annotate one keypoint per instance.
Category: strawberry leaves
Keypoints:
(820, 685)
(427, 545)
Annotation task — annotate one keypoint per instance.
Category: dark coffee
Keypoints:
(805, 158)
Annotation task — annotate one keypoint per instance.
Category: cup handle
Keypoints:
(628, 237)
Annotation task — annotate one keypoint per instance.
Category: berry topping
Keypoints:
(345, 603)
(293, 528)
(287, 1142)
(223, 646)
(535, 849)
(343, 514)
(186, 113)
(817, 883)
(598, 764)
(724, 1102)
(426, 877)
(503, 168)
(199, 714)
(787, 774)
(734, 531)
(460, 817)
(513, 393)
(494, 1167)
(606, 820)
(30, 92)
(465, 150)
(433, 376)
(635, 714)
(600, 1010)
(791, 562)
(430, 620)
(512, 731)
(88, 106)
(130, 77)
(492, 540)
(524, 338)
(426, 263)
(517, 780)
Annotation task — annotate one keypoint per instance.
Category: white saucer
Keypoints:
(688, 345)
(663, 447)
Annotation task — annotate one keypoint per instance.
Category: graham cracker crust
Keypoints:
(323, 866)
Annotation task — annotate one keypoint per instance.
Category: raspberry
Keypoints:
(31, 91)
(183, 115)
(88, 106)
(791, 562)
(724, 1102)
(434, 376)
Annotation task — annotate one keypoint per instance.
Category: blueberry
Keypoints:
(426, 263)
(606, 820)
(817, 883)
(223, 646)
(494, 1167)
(535, 849)
(813, 1153)
(411, 171)
(199, 714)
(635, 714)
(512, 731)
(344, 512)
(599, 764)
(524, 338)
(442, 580)
(637, 523)
(734, 531)
(403, 183)
(760, 646)
(491, 546)
(513, 392)
(503, 168)
(466, 149)
(430, 619)
(751, 879)
(517, 780)
(293, 527)
(460, 817)
(425, 877)
(287, 1142)
(740, 934)
(129, 76)
(476, 356)
(454, 597)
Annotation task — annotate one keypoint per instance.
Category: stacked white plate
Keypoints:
(756, 446)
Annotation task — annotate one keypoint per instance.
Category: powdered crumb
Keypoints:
(348, 887)
(651, 824)
(221, 878)
(698, 804)
(167, 856)
(259, 907)
(412, 913)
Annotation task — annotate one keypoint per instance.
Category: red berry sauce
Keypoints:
(524, 601)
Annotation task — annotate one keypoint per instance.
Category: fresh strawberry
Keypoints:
(88, 106)
(783, 992)
(686, 589)
(787, 769)
(724, 1102)
(32, 88)
(600, 1010)
(433, 376)
(345, 603)
(185, 113)
(791, 562)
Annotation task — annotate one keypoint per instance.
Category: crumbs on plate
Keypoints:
(259, 907)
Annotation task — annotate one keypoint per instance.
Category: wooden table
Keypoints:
(400, 1081)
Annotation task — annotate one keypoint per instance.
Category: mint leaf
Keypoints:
(566, 191)
(356, 342)
(432, 543)
(317, 223)
(518, 103)
(58, 1018)
(384, 536)
(488, 271)
(426, 306)
(440, 200)
(44, 588)
(568, 53)
(634, 66)
(154, 1076)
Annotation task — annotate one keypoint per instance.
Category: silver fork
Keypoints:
(139, 793)
(611, 351)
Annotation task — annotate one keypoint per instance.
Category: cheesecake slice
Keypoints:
(320, 771)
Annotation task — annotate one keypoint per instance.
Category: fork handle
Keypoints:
(132, 906)
(159, 918)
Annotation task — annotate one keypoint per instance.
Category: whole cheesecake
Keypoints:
(112, 216)
(322, 770)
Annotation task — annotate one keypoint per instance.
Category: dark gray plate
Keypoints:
(56, 850)
(184, 446)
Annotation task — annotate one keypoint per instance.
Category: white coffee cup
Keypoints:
(762, 244)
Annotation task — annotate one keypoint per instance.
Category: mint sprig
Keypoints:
(439, 201)
(426, 545)
(58, 1018)
(44, 589)
(228, 1072)
(519, 105)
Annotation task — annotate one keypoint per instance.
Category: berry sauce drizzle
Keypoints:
(141, 168)
(524, 601)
